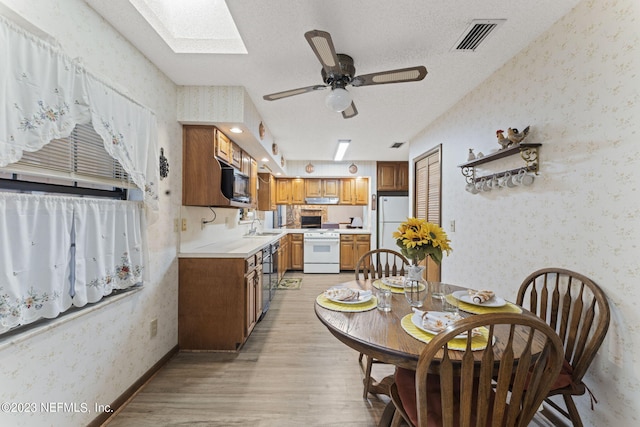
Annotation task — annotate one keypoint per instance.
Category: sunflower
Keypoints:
(418, 239)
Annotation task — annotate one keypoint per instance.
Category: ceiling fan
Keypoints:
(338, 72)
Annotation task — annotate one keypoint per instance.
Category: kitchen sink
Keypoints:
(264, 234)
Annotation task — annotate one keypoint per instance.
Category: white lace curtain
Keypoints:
(58, 252)
(44, 95)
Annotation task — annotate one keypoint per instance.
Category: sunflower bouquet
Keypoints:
(418, 239)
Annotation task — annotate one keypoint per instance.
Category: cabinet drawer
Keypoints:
(258, 258)
(346, 238)
(297, 237)
(362, 238)
(250, 263)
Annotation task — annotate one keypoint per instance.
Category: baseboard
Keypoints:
(117, 404)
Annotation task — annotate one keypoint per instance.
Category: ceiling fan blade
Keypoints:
(411, 74)
(322, 46)
(351, 111)
(292, 92)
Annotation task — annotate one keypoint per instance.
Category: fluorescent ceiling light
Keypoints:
(343, 144)
(235, 130)
(193, 26)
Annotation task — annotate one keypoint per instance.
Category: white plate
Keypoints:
(446, 318)
(364, 297)
(464, 296)
(394, 281)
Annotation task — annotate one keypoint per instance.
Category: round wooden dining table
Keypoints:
(380, 334)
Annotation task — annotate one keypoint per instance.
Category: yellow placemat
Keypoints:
(477, 309)
(478, 342)
(379, 284)
(336, 306)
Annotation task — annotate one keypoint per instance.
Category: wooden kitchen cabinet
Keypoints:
(354, 191)
(290, 191)
(297, 251)
(393, 176)
(219, 301)
(223, 147)
(322, 187)
(266, 192)
(236, 156)
(253, 182)
(352, 247)
(202, 146)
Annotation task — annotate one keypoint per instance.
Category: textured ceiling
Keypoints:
(379, 35)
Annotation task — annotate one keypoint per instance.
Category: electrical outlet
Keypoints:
(176, 225)
(184, 224)
(153, 328)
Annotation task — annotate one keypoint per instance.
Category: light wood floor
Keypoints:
(291, 372)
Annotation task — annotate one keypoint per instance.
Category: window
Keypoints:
(79, 161)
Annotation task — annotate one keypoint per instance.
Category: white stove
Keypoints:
(321, 251)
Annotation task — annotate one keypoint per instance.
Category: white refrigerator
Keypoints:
(392, 211)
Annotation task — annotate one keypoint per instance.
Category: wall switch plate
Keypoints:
(153, 328)
(184, 224)
(452, 225)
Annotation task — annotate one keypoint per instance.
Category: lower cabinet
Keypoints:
(297, 251)
(352, 247)
(219, 301)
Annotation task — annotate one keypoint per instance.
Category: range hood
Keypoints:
(321, 200)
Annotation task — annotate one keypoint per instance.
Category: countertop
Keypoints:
(246, 246)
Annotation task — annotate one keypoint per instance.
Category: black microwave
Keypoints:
(235, 185)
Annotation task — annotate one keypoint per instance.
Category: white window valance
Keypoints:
(44, 95)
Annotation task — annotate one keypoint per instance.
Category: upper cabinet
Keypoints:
(393, 176)
(203, 149)
(322, 187)
(266, 192)
(290, 191)
(354, 191)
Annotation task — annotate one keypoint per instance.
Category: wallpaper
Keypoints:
(78, 366)
(577, 87)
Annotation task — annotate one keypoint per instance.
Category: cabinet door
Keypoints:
(250, 298)
(283, 191)
(297, 251)
(253, 182)
(386, 176)
(313, 187)
(330, 188)
(347, 188)
(223, 147)
(347, 253)
(402, 176)
(257, 288)
(297, 191)
(245, 168)
(361, 191)
(236, 156)
(266, 192)
(363, 245)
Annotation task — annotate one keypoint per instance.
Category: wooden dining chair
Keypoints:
(500, 385)
(376, 264)
(578, 310)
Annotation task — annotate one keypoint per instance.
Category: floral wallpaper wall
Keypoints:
(577, 87)
(92, 359)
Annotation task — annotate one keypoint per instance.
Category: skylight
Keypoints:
(193, 26)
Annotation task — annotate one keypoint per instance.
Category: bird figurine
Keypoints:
(471, 156)
(504, 142)
(516, 137)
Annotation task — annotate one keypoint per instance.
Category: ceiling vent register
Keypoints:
(477, 32)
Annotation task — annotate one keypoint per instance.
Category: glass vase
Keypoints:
(415, 289)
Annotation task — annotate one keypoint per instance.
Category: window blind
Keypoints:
(80, 159)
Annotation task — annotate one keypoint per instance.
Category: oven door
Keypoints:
(321, 250)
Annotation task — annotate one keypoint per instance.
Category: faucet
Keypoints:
(252, 229)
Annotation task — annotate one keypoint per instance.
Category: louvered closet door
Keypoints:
(427, 198)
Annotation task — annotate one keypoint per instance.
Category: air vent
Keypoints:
(477, 32)
(397, 144)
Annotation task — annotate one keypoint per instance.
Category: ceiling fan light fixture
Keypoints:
(338, 100)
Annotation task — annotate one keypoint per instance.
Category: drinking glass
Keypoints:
(436, 290)
(384, 299)
(415, 292)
